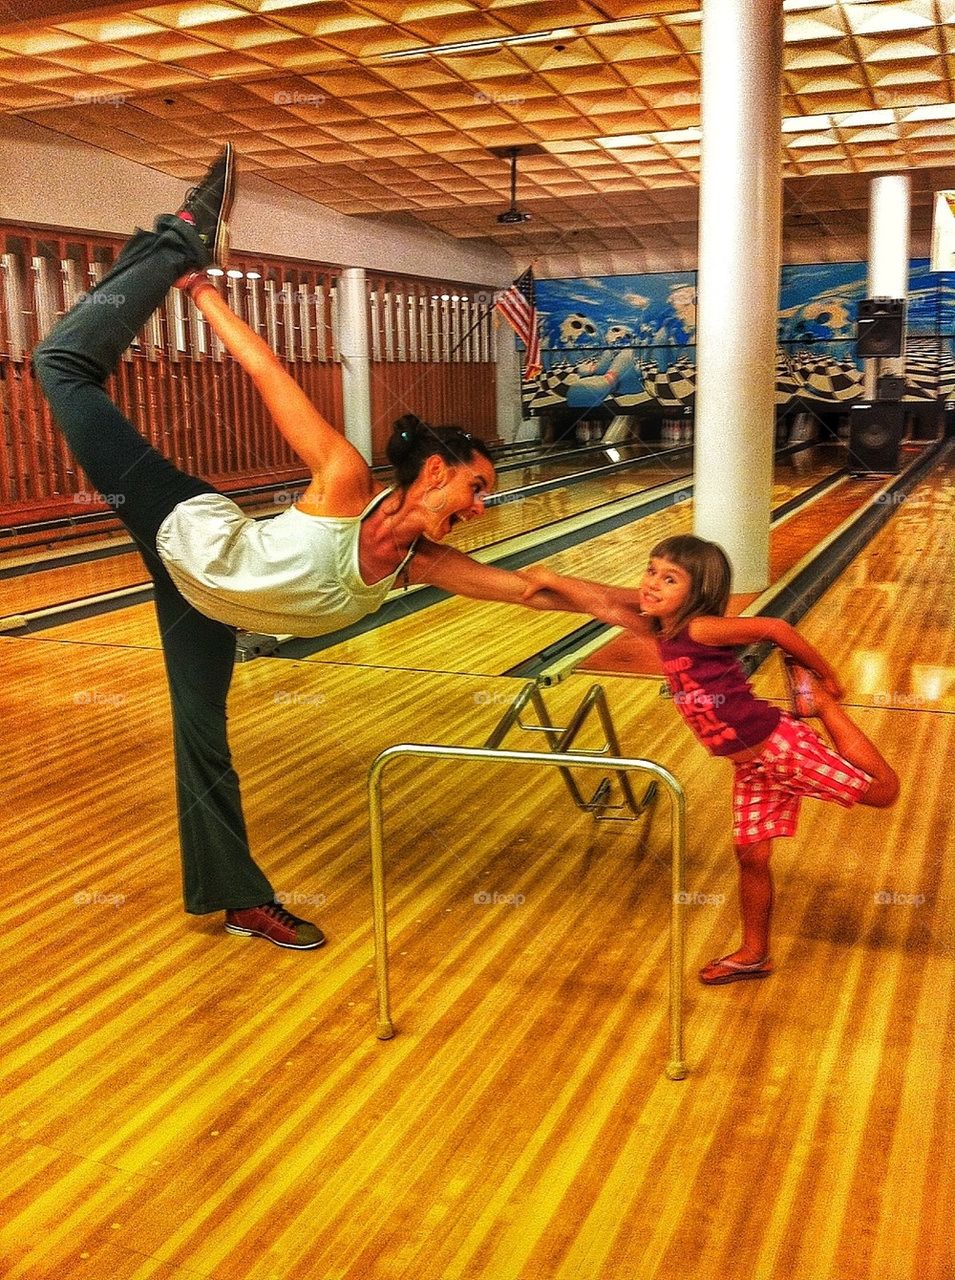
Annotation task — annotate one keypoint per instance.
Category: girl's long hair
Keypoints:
(710, 576)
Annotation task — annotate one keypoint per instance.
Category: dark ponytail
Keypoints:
(413, 442)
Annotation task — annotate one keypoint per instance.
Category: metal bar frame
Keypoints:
(676, 1068)
(562, 739)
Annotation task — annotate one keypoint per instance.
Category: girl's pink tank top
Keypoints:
(713, 696)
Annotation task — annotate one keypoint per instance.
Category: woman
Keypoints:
(331, 558)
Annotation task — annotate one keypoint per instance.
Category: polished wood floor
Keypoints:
(179, 1103)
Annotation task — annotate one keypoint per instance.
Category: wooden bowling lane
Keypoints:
(888, 623)
(180, 1103)
(76, 581)
(81, 579)
(529, 512)
(541, 468)
(535, 511)
(84, 574)
(462, 635)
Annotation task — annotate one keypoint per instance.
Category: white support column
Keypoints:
(890, 202)
(356, 369)
(738, 289)
(507, 380)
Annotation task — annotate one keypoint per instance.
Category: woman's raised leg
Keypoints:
(75, 359)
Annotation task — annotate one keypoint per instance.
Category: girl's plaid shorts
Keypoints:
(795, 762)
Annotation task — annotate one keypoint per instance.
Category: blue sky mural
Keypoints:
(626, 341)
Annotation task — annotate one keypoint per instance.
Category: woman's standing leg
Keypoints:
(218, 871)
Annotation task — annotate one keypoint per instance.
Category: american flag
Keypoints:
(516, 305)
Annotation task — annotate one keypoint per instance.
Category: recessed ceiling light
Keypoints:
(623, 141)
(679, 135)
(799, 124)
(938, 111)
(856, 118)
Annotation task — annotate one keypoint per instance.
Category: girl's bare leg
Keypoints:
(755, 901)
(849, 740)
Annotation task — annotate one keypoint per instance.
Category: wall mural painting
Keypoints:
(627, 343)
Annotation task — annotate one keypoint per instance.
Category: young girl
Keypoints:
(776, 758)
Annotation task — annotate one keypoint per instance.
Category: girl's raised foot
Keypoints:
(802, 689)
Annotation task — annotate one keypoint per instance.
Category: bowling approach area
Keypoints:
(180, 1103)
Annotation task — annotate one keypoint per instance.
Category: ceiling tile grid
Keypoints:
(312, 102)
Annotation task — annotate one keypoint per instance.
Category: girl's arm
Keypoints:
(324, 450)
(733, 631)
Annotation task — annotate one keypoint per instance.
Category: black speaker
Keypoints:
(875, 437)
(890, 387)
(879, 328)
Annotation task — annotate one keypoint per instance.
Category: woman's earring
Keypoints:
(435, 510)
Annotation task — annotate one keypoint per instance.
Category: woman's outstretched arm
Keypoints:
(615, 606)
(324, 450)
(452, 570)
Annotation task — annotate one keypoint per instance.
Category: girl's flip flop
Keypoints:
(718, 972)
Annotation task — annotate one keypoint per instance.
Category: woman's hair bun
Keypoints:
(405, 440)
(412, 441)
(407, 426)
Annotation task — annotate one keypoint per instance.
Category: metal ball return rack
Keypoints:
(559, 756)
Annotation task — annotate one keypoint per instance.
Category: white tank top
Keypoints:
(293, 574)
